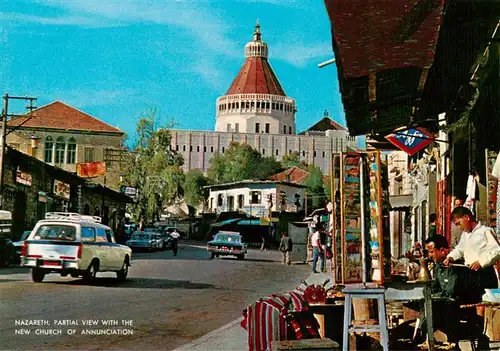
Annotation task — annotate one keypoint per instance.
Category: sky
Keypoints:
(118, 59)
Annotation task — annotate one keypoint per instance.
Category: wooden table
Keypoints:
(398, 291)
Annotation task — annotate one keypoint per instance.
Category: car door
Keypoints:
(103, 250)
(116, 252)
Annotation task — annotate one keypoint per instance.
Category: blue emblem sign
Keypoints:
(411, 140)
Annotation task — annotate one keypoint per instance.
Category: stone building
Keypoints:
(31, 188)
(256, 111)
(63, 136)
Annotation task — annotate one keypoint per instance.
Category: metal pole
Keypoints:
(2, 144)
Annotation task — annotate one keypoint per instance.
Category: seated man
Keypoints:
(453, 286)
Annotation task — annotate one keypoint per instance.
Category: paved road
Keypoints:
(169, 300)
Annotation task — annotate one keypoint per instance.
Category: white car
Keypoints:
(75, 246)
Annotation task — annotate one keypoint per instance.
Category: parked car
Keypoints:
(227, 243)
(19, 245)
(142, 241)
(7, 249)
(74, 245)
(159, 241)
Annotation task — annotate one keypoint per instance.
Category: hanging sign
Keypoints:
(61, 189)
(91, 169)
(23, 177)
(411, 140)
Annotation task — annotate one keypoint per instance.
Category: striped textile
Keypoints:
(266, 322)
(278, 317)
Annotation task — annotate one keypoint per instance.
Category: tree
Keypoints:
(315, 185)
(240, 162)
(154, 169)
(291, 160)
(194, 193)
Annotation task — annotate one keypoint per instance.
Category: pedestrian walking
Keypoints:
(263, 244)
(286, 246)
(318, 252)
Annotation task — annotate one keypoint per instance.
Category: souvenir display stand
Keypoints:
(359, 227)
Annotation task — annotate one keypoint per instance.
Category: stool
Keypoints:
(381, 327)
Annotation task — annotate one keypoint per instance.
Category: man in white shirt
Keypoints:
(479, 246)
(317, 250)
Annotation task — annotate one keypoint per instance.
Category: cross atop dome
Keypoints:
(257, 35)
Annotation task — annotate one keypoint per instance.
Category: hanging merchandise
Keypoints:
(493, 188)
(351, 223)
(472, 192)
(375, 215)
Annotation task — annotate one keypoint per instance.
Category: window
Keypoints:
(267, 105)
(289, 129)
(56, 232)
(223, 149)
(277, 152)
(303, 153)
(241, 199)
(88, 234)
(228, 127)
(71, 156)
(204, 149)
(257, 127)
(268, 126)
(323, 154)
(190, 148)
(60, 150)
(101, 235)
(183, 147)
(263, 151)
(176, 147)
(258, 104)
(314, 153)
(256, 197)
(284, 129)
(211, 149)
(237, 127)
(110, 236)
(49, 148)
(219, 200)
(89, 154)
(198, 148)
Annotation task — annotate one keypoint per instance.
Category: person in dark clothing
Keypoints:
(453, 286)
(286, 246)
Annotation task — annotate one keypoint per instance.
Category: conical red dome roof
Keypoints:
(256, 76)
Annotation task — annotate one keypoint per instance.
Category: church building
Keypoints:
(256, 111)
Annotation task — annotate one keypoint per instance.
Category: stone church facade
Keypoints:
(256, 111)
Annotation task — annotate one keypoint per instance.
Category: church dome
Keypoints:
(256, 76)
(256, 102)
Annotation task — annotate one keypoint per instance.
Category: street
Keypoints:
(166, 302)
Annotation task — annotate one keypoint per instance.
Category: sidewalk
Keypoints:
(232, 337)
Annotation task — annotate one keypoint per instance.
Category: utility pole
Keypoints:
(3, 135)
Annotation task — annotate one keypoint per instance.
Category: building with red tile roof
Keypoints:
(64, 136)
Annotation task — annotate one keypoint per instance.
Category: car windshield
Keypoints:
(56, 232)
(228, 238)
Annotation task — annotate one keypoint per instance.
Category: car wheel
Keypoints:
(122, 273)
(37, 275)
(91, 272)
(212, 255)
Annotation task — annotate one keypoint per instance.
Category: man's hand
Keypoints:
(448, 261)
(475, 266)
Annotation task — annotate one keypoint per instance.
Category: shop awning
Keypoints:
(400, 202)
